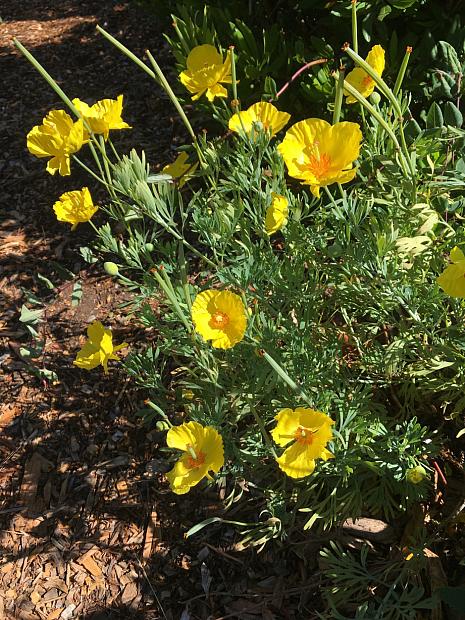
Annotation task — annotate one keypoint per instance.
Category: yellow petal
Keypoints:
(286, 427)
(182, 479)
(241, 122)
(296, 462)
(452, 280)
(272, 119)
(186, 434)
(203, 56)
(209, 304)
(216, 91)
(457, 255)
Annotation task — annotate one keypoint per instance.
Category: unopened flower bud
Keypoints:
(111, 268)
(375, 98)
(161, 425)
(258, 125)
(416, 474)
(149, 247)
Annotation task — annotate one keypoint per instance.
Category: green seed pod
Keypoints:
(375, 98)
(416, 474)
(111, 268)
(149, 247)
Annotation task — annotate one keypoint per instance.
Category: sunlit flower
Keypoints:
(359, 78)
(319, 154)
(452, 279)
(417, 474)
(276, 214)
(219, 316)
(99, 349)
(58, 137)
(179, 169)
(75, 207)
(203, 452)
(206, 72)
(271, 119)
(310, 431)
(103, 115)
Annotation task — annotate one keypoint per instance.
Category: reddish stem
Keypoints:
(312, 63)
(440, 474)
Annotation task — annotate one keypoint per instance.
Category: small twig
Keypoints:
(151, 587)
(440, 474)
(224, 554)
(312, 63)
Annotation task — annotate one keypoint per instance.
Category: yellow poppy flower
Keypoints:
(103, 115)
(58, 137)
(452, 280)
(219, 316)
(359, 78)
(263, 112)
(205, 73)
(319, 154)
(75, 207)
(276, 214)
(203, 452)
(99, 349)
(310, 431)
(179, 169)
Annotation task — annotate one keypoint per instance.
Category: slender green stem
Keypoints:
(233, 72)
(384, 88)
(160, 411)
(115, 152)
(354, 26)
(285, 377)
(330, 196)
(127, 52)
(167, 288)
(60, 92)
(365, 103)
(47, 77)
(181, 38)
(106, 162)
(91, 172)
(183, 270)
(339, 95)
(402, 70)
(263, 430)
(97, 159)
(172, 96)
(177, 105)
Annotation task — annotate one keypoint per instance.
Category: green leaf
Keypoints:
(384, 12)
(88, 255)
(434, 118)
(451, 56)
(30, 316)
(196, 528)
(76, 295)
(452, 115)
(46, 281)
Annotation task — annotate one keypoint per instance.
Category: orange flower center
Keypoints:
(319, 164)
(304, 435)
(367, 81)
(219, 320)
(199, 459)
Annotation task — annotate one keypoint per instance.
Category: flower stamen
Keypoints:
(194, 460)
(219, 320)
